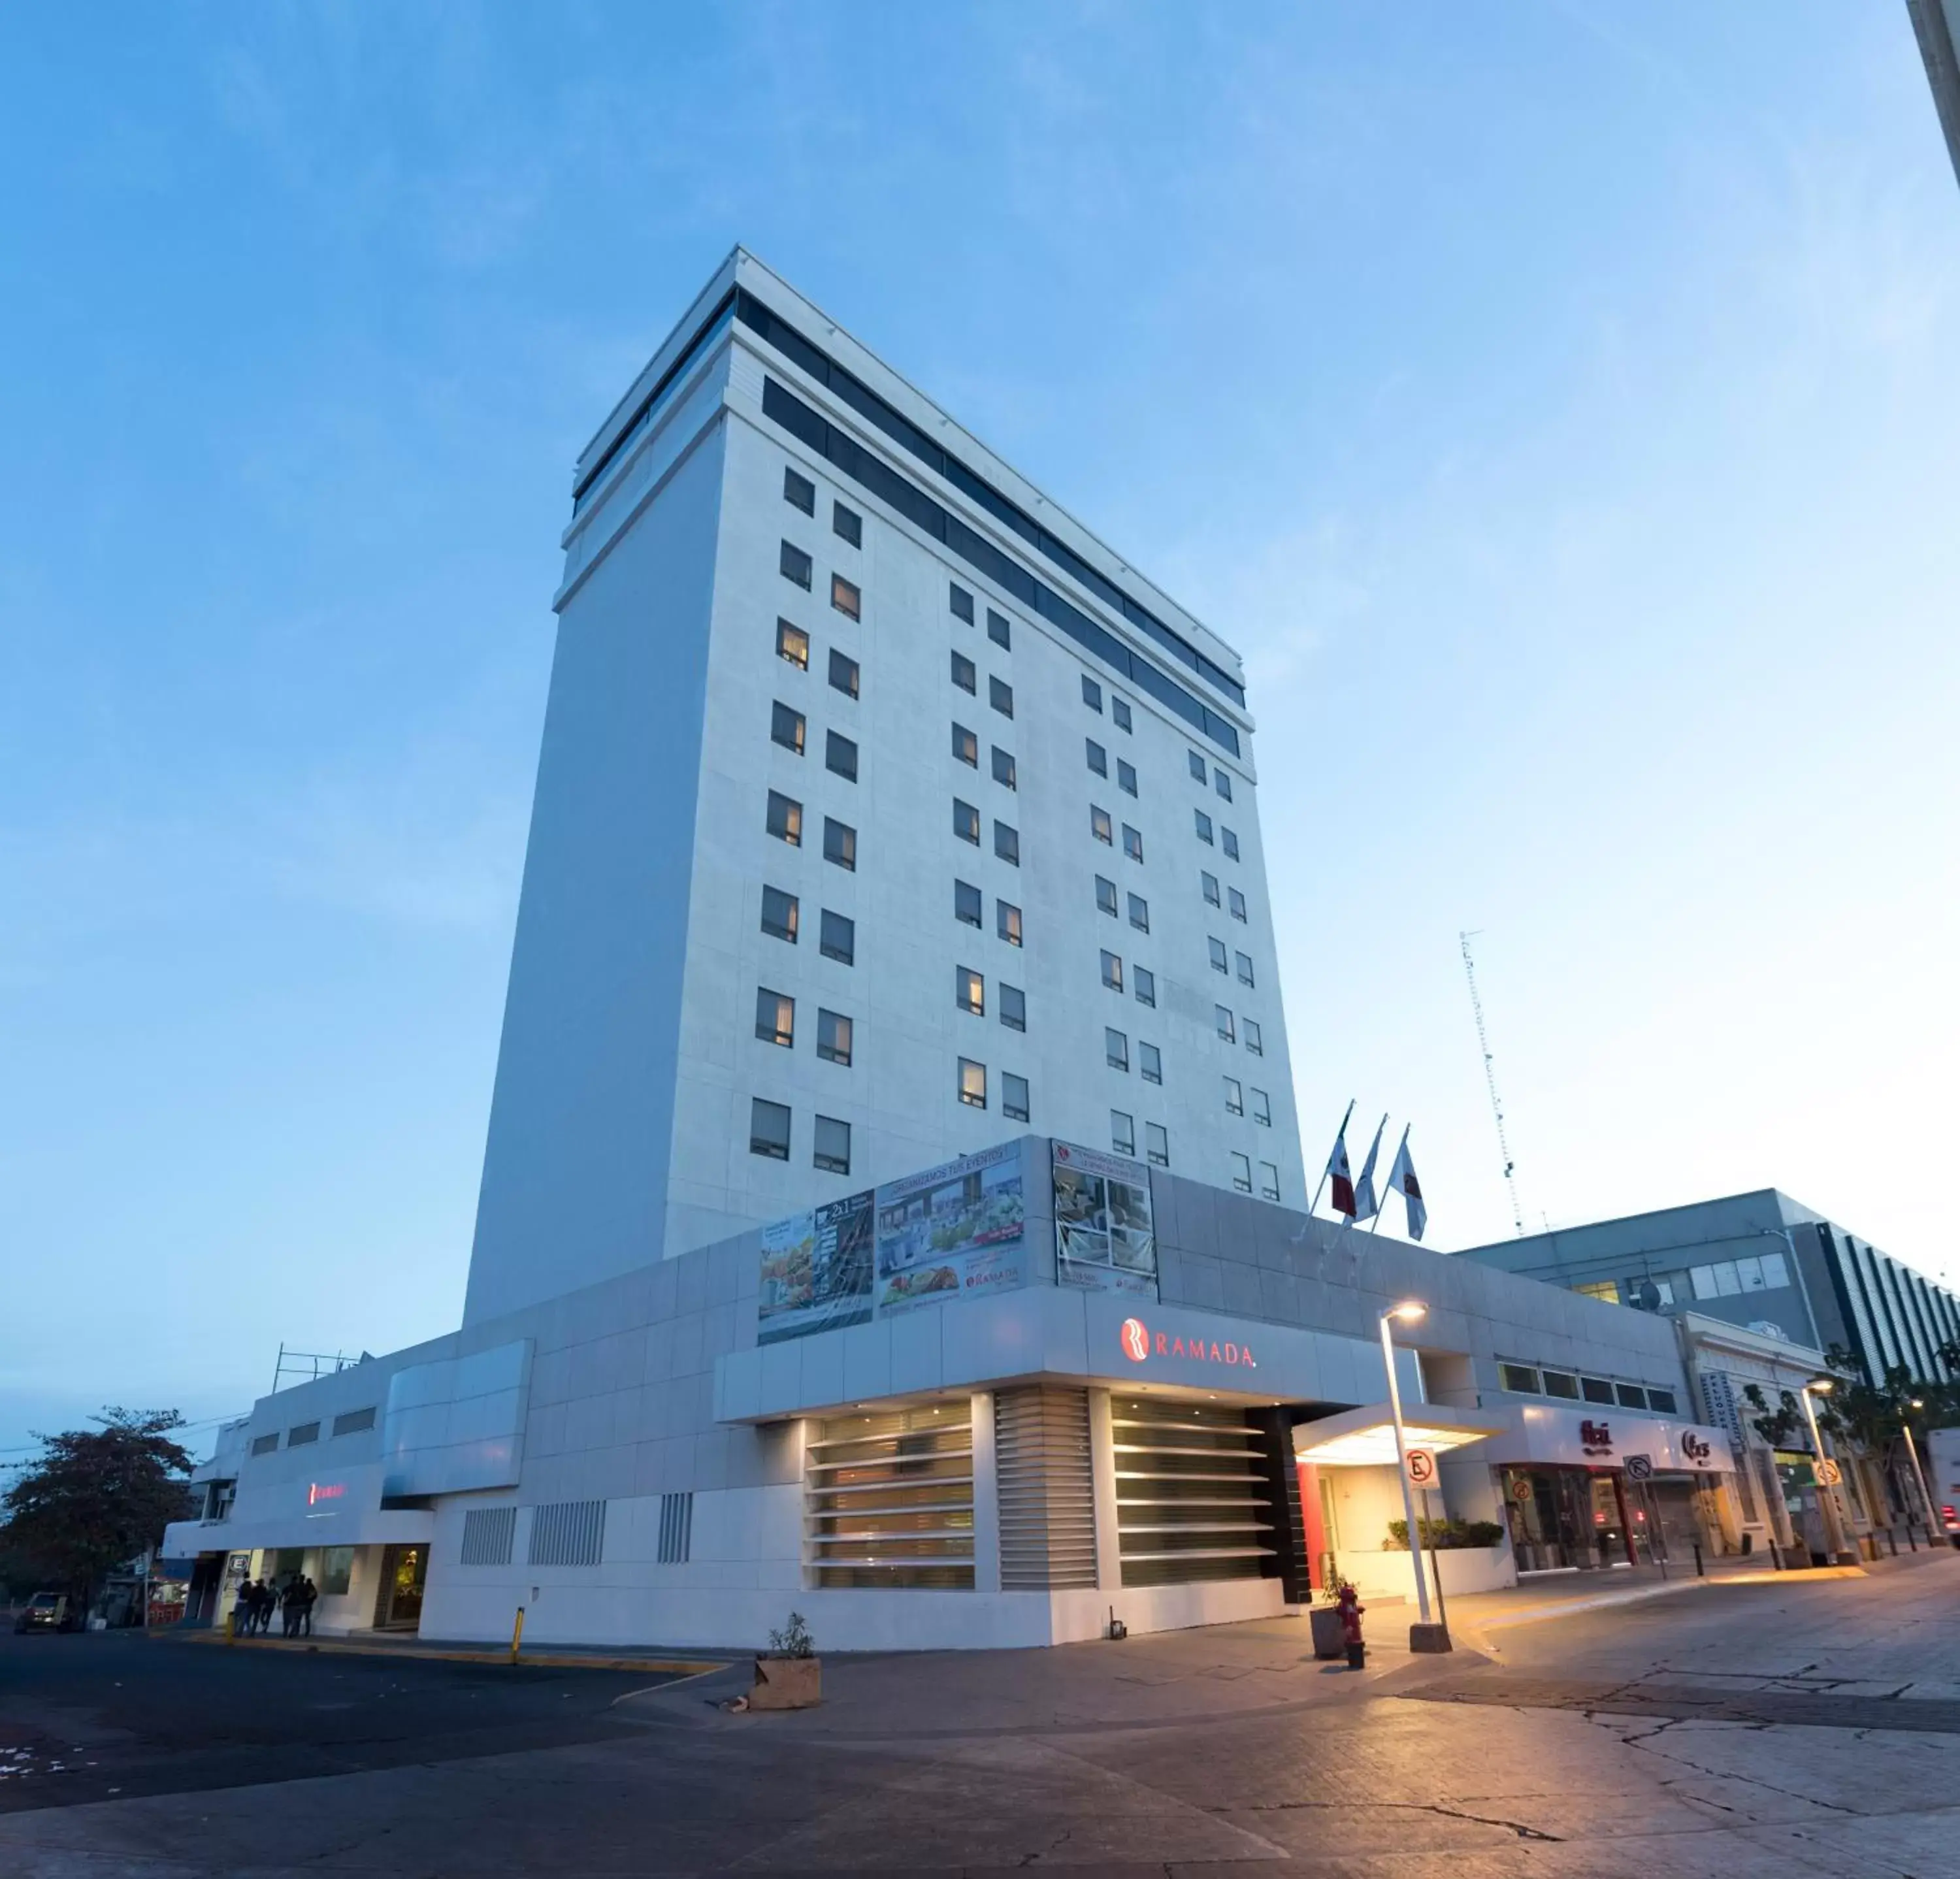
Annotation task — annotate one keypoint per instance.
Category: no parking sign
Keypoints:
(1419, 1466)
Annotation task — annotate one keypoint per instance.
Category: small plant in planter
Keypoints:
(1329, 1638)
(790, 1675)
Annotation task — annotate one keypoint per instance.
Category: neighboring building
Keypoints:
(882, 813)
(1936, 25)
(1760, 1262)
(986, 1405)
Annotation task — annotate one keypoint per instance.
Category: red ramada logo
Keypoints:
(1138, 1343)
(1136, 1340)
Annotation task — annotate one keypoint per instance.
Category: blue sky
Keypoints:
(1555, 404)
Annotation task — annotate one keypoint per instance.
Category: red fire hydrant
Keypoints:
(1351, 1608)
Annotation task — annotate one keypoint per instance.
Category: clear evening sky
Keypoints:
(1557, 405)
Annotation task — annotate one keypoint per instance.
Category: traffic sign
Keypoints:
(1829, 1473)
(1419, 1464)
(1639, 1467)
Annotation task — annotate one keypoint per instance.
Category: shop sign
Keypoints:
(1104, 1238)
(1596, 1439)
(1696, 1450)
(319, 1491)
(1140, 1343)
(954, 1231)
(817, 1270)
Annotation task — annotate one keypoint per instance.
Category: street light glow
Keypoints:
(1822, 1385)
(1408, 1310)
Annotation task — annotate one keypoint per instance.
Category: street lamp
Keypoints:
(1827, 1500)
(1918, 1472)
(1423, 1635)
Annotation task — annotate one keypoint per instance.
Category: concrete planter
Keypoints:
(1386, 1573)
(1330, 1641)
(787, 1682)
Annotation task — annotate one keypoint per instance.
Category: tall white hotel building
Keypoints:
(883, 813)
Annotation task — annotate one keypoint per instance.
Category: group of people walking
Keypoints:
(259, 1599)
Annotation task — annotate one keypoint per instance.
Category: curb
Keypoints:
(676, 1668)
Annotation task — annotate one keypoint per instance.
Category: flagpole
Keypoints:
(1380, 1211)
(1338, 1134)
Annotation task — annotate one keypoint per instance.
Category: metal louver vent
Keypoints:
(567, 1533)
(888, 1499)
(1192, 1499)
(1047, 1489)
(487, 1534)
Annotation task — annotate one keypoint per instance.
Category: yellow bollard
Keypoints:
(516, 1634)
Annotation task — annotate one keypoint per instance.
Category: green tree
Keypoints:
(1778, 1426)
(96, 1497)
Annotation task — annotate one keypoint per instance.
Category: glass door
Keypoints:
(400, 1606)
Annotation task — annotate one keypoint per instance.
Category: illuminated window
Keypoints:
(775, 1017)
(845, 597)
(969, 990)
(1608, 1290)
(1132, 842)
(1105, 896)
(1100, 825)
(965, 822)
(786, 819)
(779, 915)
(965, 746)
(973, 1083)
(1007, 922)
(1112, 971)
(793, 643)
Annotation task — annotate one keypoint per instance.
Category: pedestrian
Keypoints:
(310, 1592)
(245, 1608)
(268, 1601)
(290, 1602)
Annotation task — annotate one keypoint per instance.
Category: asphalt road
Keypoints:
(1790, 1729)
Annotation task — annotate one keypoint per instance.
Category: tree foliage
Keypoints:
(96, 1497)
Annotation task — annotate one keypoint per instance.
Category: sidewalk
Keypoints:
(666, 1663)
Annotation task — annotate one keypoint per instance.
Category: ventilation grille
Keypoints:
(487, 1534)
(567, 1533)
(1192, 1501)
(888, 1499)
(676, 1528)
(1047, 1489)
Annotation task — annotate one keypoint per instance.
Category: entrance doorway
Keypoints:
(1563, 1517)
(398, 1605)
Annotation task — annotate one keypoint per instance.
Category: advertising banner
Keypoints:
(1105, 1240)
(953, 1231)
(816, 1270)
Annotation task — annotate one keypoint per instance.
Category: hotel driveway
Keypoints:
(1779, 1727)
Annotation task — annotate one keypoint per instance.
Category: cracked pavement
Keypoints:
(1792, 1727)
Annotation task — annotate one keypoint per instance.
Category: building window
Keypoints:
(1139, 912)
(1092, 694)
(799, 492)
(1196, 763)
(833, 1037)
(848, 524)
(1662, 1400)
(353, 1421)
(1237, 902)
(840, 843)
(967, 903)
(1221, 960)
(1269, 1181)
(1126, 777)
(966, 821)
(1561, 1383)
(1150, 1063)
(1204, 825)
(1221, 1016)
(795, 565)
(1013, 1096)
(1235, 1098)
(1606, 1290)
(1007, 922)
(779, 915)
(960, 601)
(265, 1445)
(973, 1083)
(1100, 825)
(1631, 1395)
(1230, 842)
(786, 819)
(1147, 986)
(1132, 842)
(997, 628)
(965, 674)
(1014, 1003)
(1520, 1379)
(1105, 896)
(1252, 1042)
(1595, 1389)
(833, 1145)
(1004, 767)
(786, 727)
(775, 1017)
(793, 643)
(1098, 758)
(1007, 845)
(769, 1129)
(969, 990)
(301, 1433)
(1116, 1050)
(845, 597)
(1262, 1108)
(1119, 709)
(843, 673)
(1208, 883)
(1156, 1145)
(837, 938)
(840, 756)
(1122, 1133)
(1222, 783)
(676, 1523)
(965, 746)
(1243, 963)
(1112, 971)
(1242, 1172)
(1000, 696)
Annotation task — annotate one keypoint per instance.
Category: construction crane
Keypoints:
(1490, 1081)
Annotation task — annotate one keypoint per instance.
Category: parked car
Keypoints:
(48, 1611)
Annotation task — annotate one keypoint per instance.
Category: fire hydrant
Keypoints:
(1351, 1608)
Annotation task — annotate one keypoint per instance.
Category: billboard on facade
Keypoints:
(953, 1232)
(1105, 1238)
(817, 1270)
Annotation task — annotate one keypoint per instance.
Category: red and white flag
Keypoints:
(1402, 1177)
(1341, 1176)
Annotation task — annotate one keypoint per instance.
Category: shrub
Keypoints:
(793, 1640)
(1444, 1534)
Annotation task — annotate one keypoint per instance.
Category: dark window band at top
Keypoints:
(867, 404)
(873, 473)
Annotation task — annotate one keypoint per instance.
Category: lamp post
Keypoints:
(1423, 1636)
(1827, 1498)
(1918, 1472)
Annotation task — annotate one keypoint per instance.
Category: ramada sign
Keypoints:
(1140, 1343)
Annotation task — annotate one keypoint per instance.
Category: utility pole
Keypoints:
(1490, 1082)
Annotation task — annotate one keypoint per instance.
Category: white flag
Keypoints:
(1402, 1177)
(1366, 1205)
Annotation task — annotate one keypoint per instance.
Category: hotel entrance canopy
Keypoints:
(1365, 1438)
